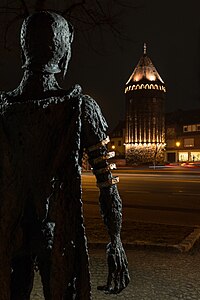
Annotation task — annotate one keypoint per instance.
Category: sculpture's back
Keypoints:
(40, 144)
(43, 130)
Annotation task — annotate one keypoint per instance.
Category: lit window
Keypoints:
(188, 142)
(170, 131)
(195, 156)
(194, 127)
(185, 128)
(183, 156)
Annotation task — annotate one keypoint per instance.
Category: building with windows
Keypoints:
(183, 136)
(117, 139)
(145, 116)
(149, 135)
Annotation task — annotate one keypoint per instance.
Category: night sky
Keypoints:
(171, 30)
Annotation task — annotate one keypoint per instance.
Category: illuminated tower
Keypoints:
(145, 123)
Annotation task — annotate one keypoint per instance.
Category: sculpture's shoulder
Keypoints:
(3, 101)
(89, 103)
(94, 125)
(8, 99)
(58, 98)
(92, 113)
(75, 92)
(15, 101)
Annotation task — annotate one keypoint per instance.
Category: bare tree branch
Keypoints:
(127, 4)
(13, 21)
(26, 11)
(86, 15)
(39, 5)
(100, 7)
(72, 7)
(8, 8)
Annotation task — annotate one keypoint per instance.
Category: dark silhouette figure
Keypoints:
(43, 133)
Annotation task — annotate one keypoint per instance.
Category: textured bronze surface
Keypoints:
(43, 131)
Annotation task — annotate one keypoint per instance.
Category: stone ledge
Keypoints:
(146, 235)
(189, 241)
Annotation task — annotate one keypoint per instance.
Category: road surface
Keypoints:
(169, 198)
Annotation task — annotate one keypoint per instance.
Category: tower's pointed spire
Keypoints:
(145, 48)
(145, 70)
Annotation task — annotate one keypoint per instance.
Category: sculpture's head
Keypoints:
(46, 39)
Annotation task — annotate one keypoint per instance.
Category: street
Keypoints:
(169, 198)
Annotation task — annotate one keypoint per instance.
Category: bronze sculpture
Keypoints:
(43, 132)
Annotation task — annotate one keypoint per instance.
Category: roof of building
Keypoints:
(118, 130)
(178, 117)
(145, 71)
(183, 117)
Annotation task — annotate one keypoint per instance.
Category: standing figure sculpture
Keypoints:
(43, 133)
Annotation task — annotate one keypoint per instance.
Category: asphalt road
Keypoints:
(161, 197)
(169, 198)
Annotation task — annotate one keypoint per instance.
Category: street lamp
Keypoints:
(178, 145)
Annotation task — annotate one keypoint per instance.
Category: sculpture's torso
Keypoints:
(44, 140)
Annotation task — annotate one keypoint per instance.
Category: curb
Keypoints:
(189, 241)
(183, 246)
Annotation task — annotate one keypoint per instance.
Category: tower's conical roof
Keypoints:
(145, 71)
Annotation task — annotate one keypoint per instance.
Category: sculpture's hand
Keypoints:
(118, 275)
(111, 211)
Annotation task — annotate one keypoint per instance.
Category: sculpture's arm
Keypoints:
(110, 202)
(111, 210)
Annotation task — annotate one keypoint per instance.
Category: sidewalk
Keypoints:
(138, 234)
(160, 265)
(155, 275)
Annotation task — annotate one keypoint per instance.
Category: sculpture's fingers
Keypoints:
(112, 263)
(125, 273)
(119, 259)
(123, 278)
(117, 283)
(118, 276)
(120, 283)
(108, 286)
(104, 288)
(126, 278)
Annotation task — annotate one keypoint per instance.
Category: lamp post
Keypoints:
(178, 145)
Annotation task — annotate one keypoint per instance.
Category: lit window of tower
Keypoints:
(145, 124)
